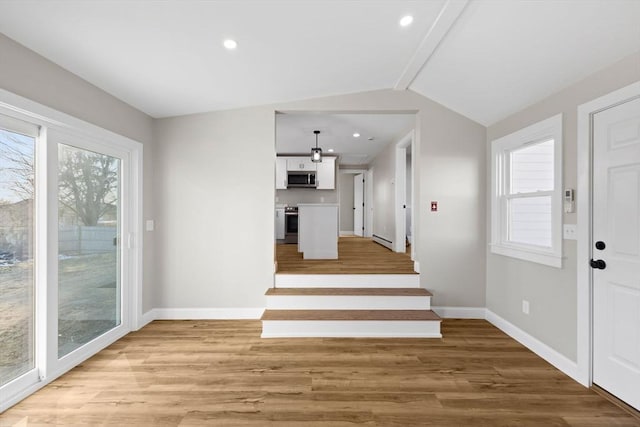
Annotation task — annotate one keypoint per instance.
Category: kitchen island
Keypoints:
(318, 230)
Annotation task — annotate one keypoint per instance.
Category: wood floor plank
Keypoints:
(220, 373)
(356, 255)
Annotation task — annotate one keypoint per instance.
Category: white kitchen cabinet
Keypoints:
(326, 174)
(300, 164)
(279, 223)
(318, 230)
(281, 173)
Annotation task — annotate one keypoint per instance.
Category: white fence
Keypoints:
(82, 240)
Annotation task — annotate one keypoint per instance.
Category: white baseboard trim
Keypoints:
(147, 318)
(461, 312)
(552, 356)
(346, 233)
(384, 242)
(208, 313)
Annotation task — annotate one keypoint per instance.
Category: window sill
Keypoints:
(532, 255)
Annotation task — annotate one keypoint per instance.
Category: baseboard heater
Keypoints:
(382, 241)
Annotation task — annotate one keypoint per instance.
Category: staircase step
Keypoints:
(350, 315)
(348, 298)
(347, 281)
(350, 291)
(351, 323)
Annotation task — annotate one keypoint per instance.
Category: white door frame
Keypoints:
(367, 221)
(368, 203)
(401, 191)
(358, 204)
(584, 227)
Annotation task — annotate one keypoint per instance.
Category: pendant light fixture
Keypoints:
(316, 153)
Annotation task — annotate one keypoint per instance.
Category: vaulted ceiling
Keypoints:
(483, 58)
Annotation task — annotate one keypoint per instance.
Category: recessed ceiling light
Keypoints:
(370, 138)
(406, 21)
(330, 150)
(230, 44)
(356, 135)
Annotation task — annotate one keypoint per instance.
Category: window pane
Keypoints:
(88, 246)
(530, 220)
(532, 168)
(16, 255)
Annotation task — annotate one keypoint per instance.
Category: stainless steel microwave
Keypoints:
(301, 179)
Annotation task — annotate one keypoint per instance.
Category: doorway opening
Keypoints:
(362, 145)
(404, 194)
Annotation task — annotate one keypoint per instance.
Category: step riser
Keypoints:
(347, 280)
(350, 329)
(344, 302)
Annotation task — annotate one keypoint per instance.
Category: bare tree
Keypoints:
(87, 183)
(17, 161)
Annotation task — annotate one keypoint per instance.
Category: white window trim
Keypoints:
(550, 128)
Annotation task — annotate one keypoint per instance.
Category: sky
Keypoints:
(18, 143)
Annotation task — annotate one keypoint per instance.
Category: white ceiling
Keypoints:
(502, 56)
(294, 134)
(166, 57)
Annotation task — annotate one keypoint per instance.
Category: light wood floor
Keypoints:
(356, 255)
(220, 373)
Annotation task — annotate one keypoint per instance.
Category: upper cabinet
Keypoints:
(281, 173)
(300, 164)
(325, 171)
(326, 174)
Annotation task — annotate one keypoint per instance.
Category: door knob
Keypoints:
(600, 245)
(598, 263)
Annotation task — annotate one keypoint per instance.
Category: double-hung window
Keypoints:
(526, 185)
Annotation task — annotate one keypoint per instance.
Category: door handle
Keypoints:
(598, 263)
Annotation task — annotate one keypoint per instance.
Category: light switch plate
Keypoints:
(569, 232)
(150, 225)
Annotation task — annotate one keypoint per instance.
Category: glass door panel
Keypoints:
(17, 287)
(89, 276)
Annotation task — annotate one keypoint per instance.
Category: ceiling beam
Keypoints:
(450, 12)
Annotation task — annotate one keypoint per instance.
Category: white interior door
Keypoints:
(358, 204)
(616, 251)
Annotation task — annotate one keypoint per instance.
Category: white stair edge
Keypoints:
(348, 302)
(347, 280)
(351, 329)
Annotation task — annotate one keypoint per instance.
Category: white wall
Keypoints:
(28, 74)
(216, 234)
(409, 181)
(294, 196)
(384, 193)
(551, 292)
(215, 194)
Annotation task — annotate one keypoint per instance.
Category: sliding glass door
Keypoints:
(89, 276)
(70, 261)
(17, 268)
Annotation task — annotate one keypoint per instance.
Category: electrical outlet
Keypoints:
(569, 232)
(525, 306)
